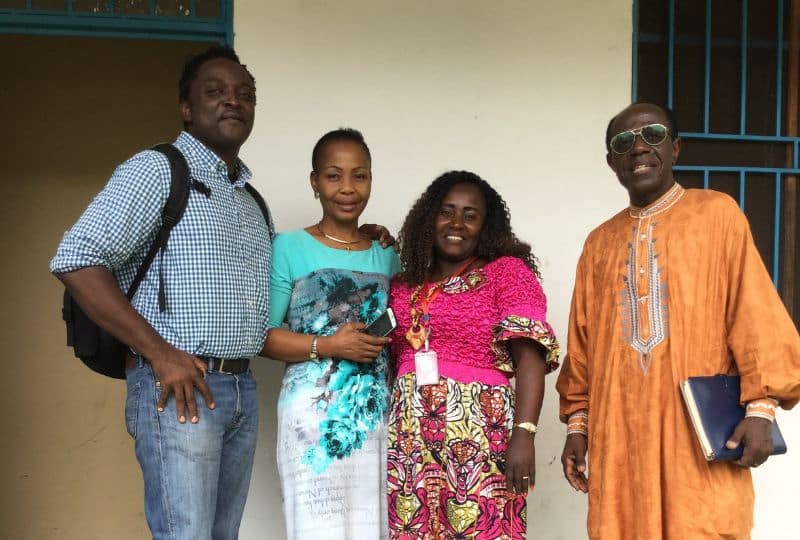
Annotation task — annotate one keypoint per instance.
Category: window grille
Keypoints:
(730, 69)
(188, 20)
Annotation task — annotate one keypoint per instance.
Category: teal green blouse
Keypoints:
(296, 254)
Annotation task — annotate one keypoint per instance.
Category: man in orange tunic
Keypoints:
(669, 288)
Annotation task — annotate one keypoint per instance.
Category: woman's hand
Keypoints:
(351, 343)
(520, 462)
(520, 456)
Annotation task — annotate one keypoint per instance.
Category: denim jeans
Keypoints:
(196, 476)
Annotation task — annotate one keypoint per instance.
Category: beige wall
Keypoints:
(77, 107)
(518, 91)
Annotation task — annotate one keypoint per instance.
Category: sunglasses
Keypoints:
(652, 134)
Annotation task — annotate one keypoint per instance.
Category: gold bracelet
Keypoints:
(530, 427)
(313, 355)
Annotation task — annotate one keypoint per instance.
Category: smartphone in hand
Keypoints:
(383, 325)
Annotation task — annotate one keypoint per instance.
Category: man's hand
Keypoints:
(180, 373)
(379, 233)
(573, 460)
(97, 292)
(520, 462)
(756, 435)
(351, 343)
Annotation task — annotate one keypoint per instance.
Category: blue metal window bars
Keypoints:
(186, 20)
(778, 173)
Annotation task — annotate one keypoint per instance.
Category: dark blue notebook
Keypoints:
(713, 405)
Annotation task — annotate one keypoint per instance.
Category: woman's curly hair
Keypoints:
(496, 239)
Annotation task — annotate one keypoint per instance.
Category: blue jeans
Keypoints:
(196, 476)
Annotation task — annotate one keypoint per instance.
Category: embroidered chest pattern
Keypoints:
(644, 297)
(472, 281)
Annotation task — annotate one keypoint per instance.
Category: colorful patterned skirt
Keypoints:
(446, 451)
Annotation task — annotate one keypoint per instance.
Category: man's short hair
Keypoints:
(193, 64)
(672, 122)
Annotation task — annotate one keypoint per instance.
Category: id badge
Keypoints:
(426, 367)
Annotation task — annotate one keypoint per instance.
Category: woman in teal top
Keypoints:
(327, 283)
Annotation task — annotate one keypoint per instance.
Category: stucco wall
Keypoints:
(517, 91)
(74, 108)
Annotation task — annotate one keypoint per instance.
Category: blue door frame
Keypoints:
(113, 22)
(778, 173)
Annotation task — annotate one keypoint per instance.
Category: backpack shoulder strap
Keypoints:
(170, 215)
(179, 186)
(263, 206)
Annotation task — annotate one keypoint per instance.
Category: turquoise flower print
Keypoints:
(316, 458)
(362, 401)
(315, 370)
(339, 438)
(299, 382)
(341, 374)
(373, 306)
(369, 402)
(355, 409)
(347, 399)
(319, 323)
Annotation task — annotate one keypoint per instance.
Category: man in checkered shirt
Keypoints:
(196, 453)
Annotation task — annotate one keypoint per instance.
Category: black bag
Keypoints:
(99, 350)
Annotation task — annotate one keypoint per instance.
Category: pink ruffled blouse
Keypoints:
(473, 317)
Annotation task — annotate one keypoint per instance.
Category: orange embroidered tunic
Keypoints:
(673, 290)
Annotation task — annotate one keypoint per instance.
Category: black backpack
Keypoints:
(99, 350)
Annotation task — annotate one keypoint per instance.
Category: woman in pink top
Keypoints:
(471, 315)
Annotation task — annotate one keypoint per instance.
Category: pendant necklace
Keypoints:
(420, 329)
(347, 243)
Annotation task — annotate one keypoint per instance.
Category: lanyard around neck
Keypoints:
(419, 331)
(436, 287)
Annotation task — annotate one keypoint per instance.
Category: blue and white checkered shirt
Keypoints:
(217, 260)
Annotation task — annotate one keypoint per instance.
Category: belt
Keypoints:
(226, 365)
(221, 365)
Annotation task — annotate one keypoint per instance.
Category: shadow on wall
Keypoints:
(77, 108)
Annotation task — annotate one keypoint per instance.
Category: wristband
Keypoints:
(761, 408)
(578, 423)
(530, 427)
